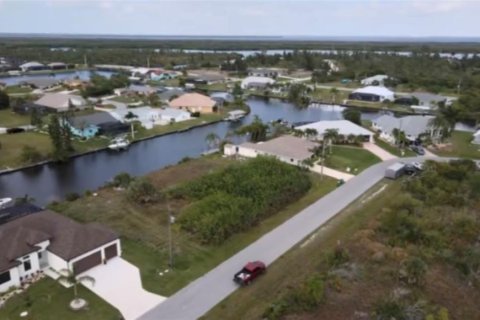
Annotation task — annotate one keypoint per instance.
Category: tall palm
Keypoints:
(439, 124)
(69, 277)
(330, 135)
(311, 133)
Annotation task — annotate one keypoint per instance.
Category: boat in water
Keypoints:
(235, 115)
(120, 143)
(4, 202)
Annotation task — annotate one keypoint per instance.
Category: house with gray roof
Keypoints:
(413, 127)
(45, 241)
(170, 94)
(222, 97)
(98, 123)
(32, 66)
(289, 149)
(61, 102)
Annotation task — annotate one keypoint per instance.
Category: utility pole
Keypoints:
(171, 220)
(323, 157)
(133, 131)
(148, 61)
(85, 60)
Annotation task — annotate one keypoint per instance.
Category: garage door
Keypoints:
(111, 251)
(87, 263)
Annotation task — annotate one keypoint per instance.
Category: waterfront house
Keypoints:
(414, 127)
(372, 94)
(207, 78)
(61, 102)
(170, 94)
(265, 72)
(57, 66)
(377, 80)
(97, 123)
(32, 66)
(222, 97)
(34, 241)
(344, 128)
(256, 82)
(286, 148)
(194, 102)
(41, 83)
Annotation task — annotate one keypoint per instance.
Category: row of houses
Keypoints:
(36, 66)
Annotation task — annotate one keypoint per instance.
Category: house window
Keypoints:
(27, 265)
(5, 277)
(39, 255)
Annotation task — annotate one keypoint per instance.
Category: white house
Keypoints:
(256, 82)
(33, 65)
(45, 241)
(344, 128)
(412, 126)
(174, 115)
(288, 149)
(378, 80)
(373, 94)
(150, 117)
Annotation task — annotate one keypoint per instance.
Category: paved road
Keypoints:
(201, 295)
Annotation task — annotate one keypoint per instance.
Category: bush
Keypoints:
(195, 114)
(30, 155)
(72, 196)
(142, 191)
(389, 309)
(267, 183)
(122, 180)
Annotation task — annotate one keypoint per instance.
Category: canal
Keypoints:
(52, 182)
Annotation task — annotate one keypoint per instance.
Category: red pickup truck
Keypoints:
(249, 272)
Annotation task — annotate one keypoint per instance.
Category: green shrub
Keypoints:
(122, 180)
(388, 309)
(72, 196)
(30, 155)
(141, 191)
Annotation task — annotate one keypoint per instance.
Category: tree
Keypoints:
(257, 130)
(212, 140)
(237, 90)
(4, 100)
(142, 191)
(69, 277)
(61, 137)
(333, 93)
(352, 115)
(36, 118)
(311, 133)
(331, 136)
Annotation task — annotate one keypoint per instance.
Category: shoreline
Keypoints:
(76, 155)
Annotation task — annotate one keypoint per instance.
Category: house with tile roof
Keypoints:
(194, 102)
(44, 241)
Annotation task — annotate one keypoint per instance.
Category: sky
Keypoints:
(366, 18)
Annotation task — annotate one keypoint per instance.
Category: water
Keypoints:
(53, 181)
(68, 75)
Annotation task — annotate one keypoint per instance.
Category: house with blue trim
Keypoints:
(94, 124)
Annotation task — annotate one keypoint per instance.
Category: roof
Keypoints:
(253, 79)
(42, 82)
(142, 89)
(167, 95)
(56, 64)
(411, 125)
(376, 90)
(95, 119)
(206, 77)
(17, 211)
(251, 266)
(173, 113)
(68, 238)
(222, 95)
(284, 146)
(378, 77)
(31, 64)
(57, 100)
(396, 166)
(192, 100)
(426, 98)
(344, 127)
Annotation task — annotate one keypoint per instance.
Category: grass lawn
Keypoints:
(357, 159)
(393, 149)
(221, 86)
(144, 228)
(325, 95)
(301, 261)
(17, 89)
(50, 301)
(12, 145)
(460, 146)
(9, 119)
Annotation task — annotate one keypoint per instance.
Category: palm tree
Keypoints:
(69, 277)
(212, 140)
(330, 135)
(311, 133)
(334, 92)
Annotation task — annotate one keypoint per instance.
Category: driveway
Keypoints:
(379, 152)
(201, 295)
(339, 175)
(119, 283)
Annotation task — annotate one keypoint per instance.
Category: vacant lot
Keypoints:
(12, 145)
(9, 119)
(48, 300)
(460, 146)
(144, 229)
(354, 158)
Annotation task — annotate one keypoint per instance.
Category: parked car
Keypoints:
(251, 271)
(418, 150)
(411, 168)
(417, 165)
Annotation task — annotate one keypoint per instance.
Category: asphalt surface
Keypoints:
(201, 295)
